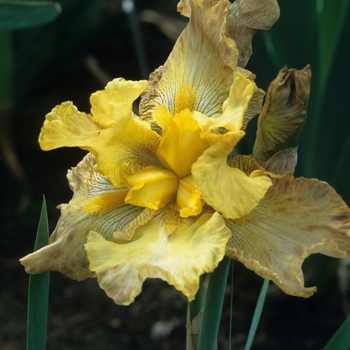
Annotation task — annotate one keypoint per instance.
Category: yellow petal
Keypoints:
(121, 143)
(296, 218)
(115, 102)
(188, 200)
(180, 145)
(96, 205)
(152, 187)
(203, 58)
(228, 190)
(234, 108)
(178, 257)
(126, 149)
(65, 126)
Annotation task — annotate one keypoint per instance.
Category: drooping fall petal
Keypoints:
(167, 247)
(228, 190)
(296, 218)
(96, 205)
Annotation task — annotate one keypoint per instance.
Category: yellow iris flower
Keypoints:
(155, 197)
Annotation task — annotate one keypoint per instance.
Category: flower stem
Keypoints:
(257, 314)
(213, 306)
(196, 304)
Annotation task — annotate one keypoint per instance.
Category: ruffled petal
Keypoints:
(180, 145)
(296, 218)
(188, 201)
(167, 247)
(152, 187)
(96, 205)
(203, 59)
(121, 143)
(234, 108)
(228, 190)
(114, 103)
(126, 149)
(65, 126)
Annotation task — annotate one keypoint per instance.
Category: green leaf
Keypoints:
(197, 304)
(25, 14)
(257, 314)
(38, 293)
(341, 338)
(213, 306)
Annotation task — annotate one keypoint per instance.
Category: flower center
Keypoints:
(185, 98)
(180, 146)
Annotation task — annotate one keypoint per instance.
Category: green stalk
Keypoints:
(257, 314)
(213, 306)
(197, 303)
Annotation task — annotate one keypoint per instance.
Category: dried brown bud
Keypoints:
(284, 113)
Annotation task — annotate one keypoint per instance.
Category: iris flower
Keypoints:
(155, 197)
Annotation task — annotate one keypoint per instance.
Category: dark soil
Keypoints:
(81, 316)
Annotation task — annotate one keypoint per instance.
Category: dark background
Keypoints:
(51, 68)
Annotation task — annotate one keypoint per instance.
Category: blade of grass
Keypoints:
(38, 292)
(213, 306)
(257, 314)
(341, 338)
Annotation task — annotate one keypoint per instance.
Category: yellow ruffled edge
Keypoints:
(228, 190)
(174, 249)
(121, 143)
(96, 205)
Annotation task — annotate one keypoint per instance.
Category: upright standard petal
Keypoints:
(96, 205)
(296, 218)
(201, 64)
(167, 247)
(180, 144)
(234, 108)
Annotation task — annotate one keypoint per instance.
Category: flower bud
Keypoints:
(283, 116)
